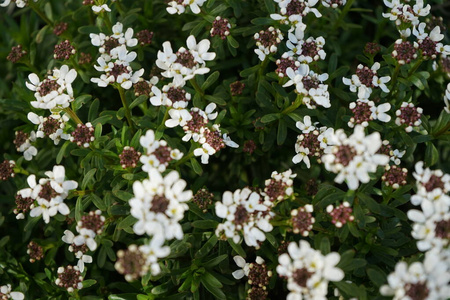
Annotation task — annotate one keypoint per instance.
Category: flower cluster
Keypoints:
(6, 293)
(408, 115)
(51, 126)
(157, 154)
(69, 278)
(258, 276)
(55, 91)
(312, 142)
(7, 169)
(179, 6)
(341, 214)
(353, 157)
(302, 220)
(278, 187)
(308, 271)
(115, 58)
(292, 12)
(244, 213)
(19, 3)
(88, 227)
(48, 195)
(267, 42)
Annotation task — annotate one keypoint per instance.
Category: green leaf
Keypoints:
(126, 222)
(263, 21)
(215, 261)
(431, 154)
(210, 80)
(98, 202)
(282, 132)
(196, 166)
(206, 248)
(249, 71)
(101, 120)
(208, 284)
(325, 245)
(123, 195)
(205, 224)
(93, 110)
(62, 151)
(89, 282)
(216, 100)
(88, 29)
(87, 178)
(232, 42)
(270, 118)
(213, 281)
(238, 248)
(138, 100)
(376, 277)
(79, 209)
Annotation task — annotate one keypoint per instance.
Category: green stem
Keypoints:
(40, 13)
(298, 101)
(184, 159)
(125, 105)
(263, 67)
(19, 170)
(72, 115)
(197, 88)
(415, 67)
(394, 80)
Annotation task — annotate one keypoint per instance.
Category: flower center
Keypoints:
(433, 183)
(186, 59)
(159, 204)
(50, 126)
(345, 154)
(47, 86)
(417, 291)
(301, 276)
(47, 192)
(241, 215)
(442, 229)
(295, 7)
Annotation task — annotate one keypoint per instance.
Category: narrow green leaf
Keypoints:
(196, 166)
(282, 132)
(210, 80)
(87, 178)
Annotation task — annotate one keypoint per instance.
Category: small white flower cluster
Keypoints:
(431, 225)
(267, 42)
(49, 194)
(310, 86)
(115, 58)
(447, 99)
(179, 6)
(293, 11)
(159, 204)
(23, 144)
(333, 3)
(308, 271)
(19, 3)
(157, 154)
(88, 227)
(366, 79)
(51, 126)
(54, 92)
(354, 157)
(313, 142)
(405, 14)
(185, 63)
(365, 110)
(408, 115)
(244, 213)
(101, 7)
(304, 50)
(278, 187)
(6, 293)
(427, 280)
(429, 42)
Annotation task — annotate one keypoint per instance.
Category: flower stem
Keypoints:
(343, 14)
(298, 101)
(415, 67)
(19, 170)
(184, 159)
(394, 80)
(127, 109)
(72, 115)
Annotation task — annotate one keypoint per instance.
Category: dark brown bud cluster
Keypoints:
(23, 204)
(93, 221)
(220, 27)
(21, 138)
(249, 146)
(131, 263)
(144, 37)
(404, 52)
(7, 169)
(186, 59)
(16, 54)
(203, 198)
(64, 50)
(129, 157)
(428, 48)
(395, 176)
(365, 75)
(237, 88)
(372, 48)
(35, 252)
(302, 220)
(311, 187)
(83, 135)
(60, 28)
(142, 87)
(284, 63)
(85, 58)
(69, 278)
(341, 214)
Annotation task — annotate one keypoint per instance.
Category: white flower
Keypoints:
(312, 268)
(5, 290)
(100, 8)
(194, 5)
(302, 155)
(245, 267)
(306, 126)
(379, 113)
(152, 252)
(205, 151)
